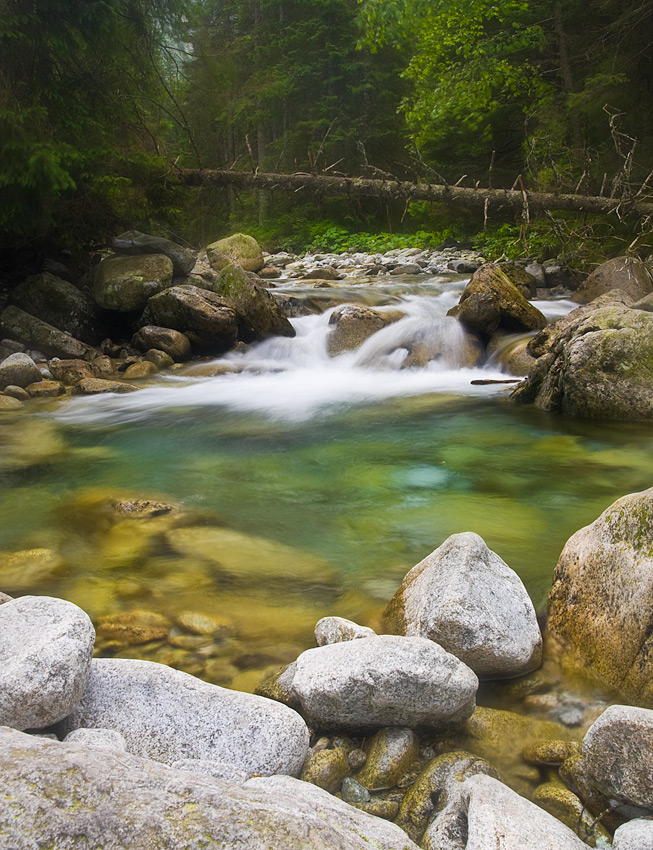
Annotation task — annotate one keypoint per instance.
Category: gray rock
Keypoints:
(383, 681)
(336, 629)
(215, 768)
(600, 608)
(18, 370)
(100, 738)
(53, 793)
(167, 715)
(485, 813)
(369, 834)
(126, 283)
(406, 268)
(45, 652)
(94, 386)
(635, 835)
(135, 242)
(34, 332)
(626, 273)
(466, 598)
(354, 792)
(60, 304)
(618, 754)
(174, 343)
(205, 318)
(4, 597)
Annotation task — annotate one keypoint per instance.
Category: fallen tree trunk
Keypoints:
(513, 199)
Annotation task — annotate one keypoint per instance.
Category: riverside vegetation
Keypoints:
(452, 716)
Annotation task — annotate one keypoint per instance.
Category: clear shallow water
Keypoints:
(307, 485)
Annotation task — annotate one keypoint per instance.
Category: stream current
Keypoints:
(307, 485)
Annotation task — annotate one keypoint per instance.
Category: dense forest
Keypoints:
(104, 103)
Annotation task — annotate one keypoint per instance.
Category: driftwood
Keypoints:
(516, 200)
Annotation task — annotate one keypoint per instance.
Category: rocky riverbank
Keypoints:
(361, 731)
(150, 306)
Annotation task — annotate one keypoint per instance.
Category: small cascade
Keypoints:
(425, 351)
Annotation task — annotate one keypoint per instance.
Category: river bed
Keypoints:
(304, 486)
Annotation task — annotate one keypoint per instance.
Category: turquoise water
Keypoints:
(352, 492)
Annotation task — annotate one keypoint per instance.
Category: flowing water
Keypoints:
(304, 485)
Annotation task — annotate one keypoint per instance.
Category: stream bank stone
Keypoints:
(18, 370)
(46, 646)
(125, 283)
(240, 248)
(337, 629)
(466, 598)
(135, 242)
(383, 681)
(628, 274)
(258, 314)
(172, 342)
(618, 754)
(35, 333)
(167, 715)
(58, 792)
(601, 601)
(205, 318)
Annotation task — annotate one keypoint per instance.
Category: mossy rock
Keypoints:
(600, 607)
(126, 283)
(240, 248)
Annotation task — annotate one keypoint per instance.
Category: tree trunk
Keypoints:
(499, 199)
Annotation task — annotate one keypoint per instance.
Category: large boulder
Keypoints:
(618, 755)
(174, 343)
(167, 715)
(466, 598)
(240, 249)
(60, 304)
(207, 319)
(126, 283)
(629, 274)
(601, 601)
(35, 333)
(485, 813)
(134, 242)
(491, 301)
(18, 370)
(58, 794)
(352, 324)
(383, 681)
(599, 367)
(258, 314)
(46, 646)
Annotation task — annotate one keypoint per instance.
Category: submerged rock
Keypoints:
(59, 792)
(566, 807)
(46, 646)
(601, 602)
(326, 769)
(352, 324)
(464, 597)
(167, 715)
(383, 681)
